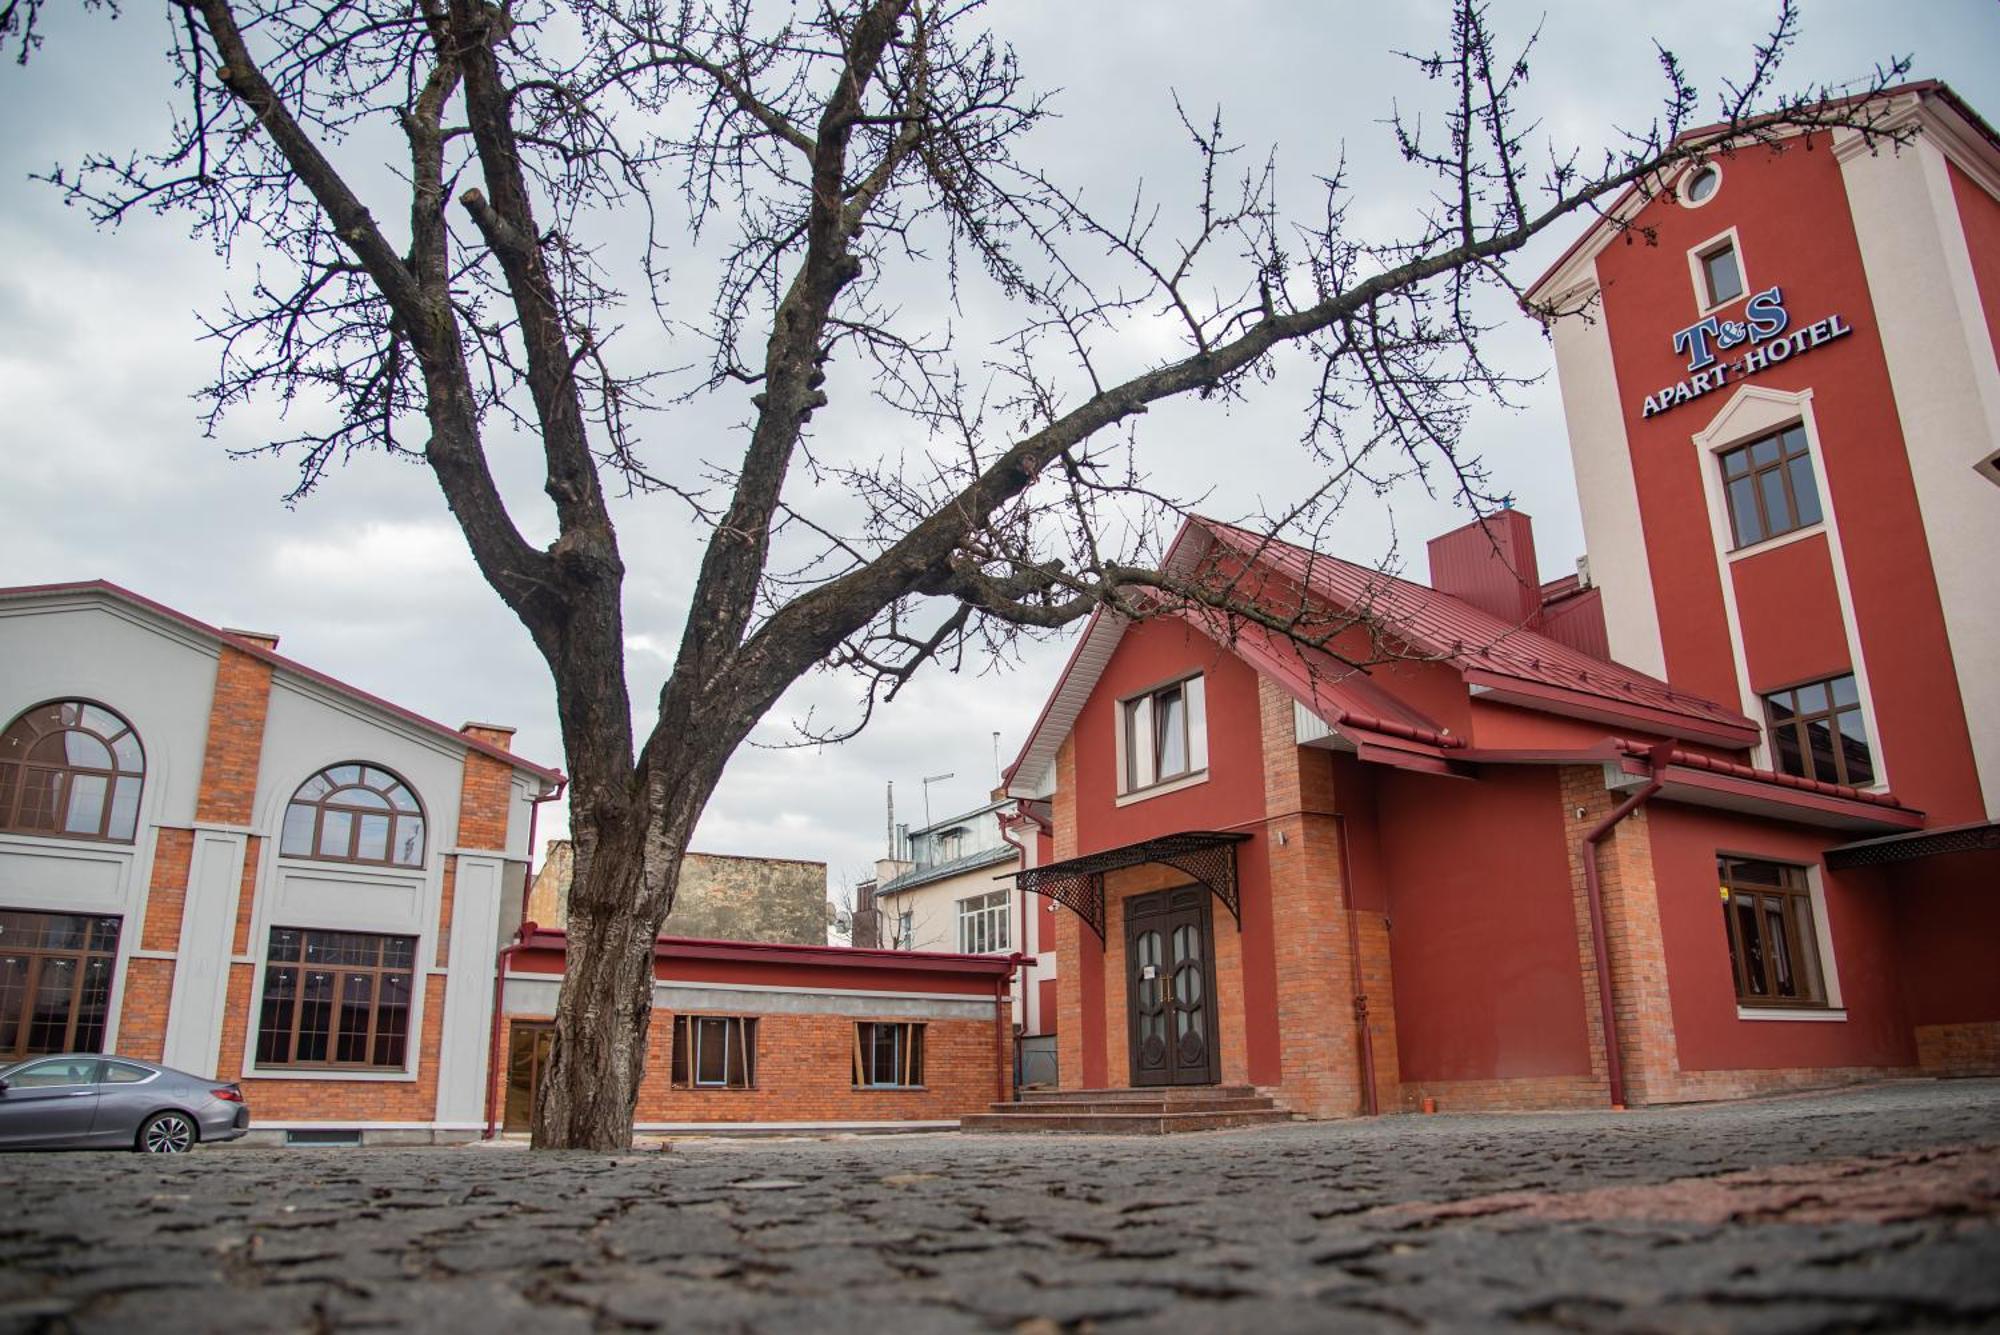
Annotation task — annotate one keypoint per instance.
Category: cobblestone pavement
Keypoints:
(1872, 1209)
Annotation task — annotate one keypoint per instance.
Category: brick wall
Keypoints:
(173, 856)
(1959, 1049)
(228, 790)
(720, 897)
(445, 897)
(482, 801)
(1070, 930)
(142, 1018)
(805, 1073)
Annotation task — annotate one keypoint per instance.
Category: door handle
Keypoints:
(79, 1093)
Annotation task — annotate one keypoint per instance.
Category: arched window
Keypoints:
(355, 813)
(71, 768)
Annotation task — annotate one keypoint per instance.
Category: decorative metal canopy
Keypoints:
(1209, 856)
(1914, 844)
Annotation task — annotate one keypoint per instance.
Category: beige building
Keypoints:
(721, 897)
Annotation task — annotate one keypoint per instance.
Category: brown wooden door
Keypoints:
(527, 1057)
(1170, 988)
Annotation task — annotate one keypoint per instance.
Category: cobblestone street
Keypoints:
(1870, 1209)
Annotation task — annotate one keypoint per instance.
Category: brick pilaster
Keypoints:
(235, 745)
(1319, 1042)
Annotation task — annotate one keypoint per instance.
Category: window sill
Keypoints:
(715, 1089)
(891, 1089)
(1809, 1014)
(1161, 789)
(386, 1074)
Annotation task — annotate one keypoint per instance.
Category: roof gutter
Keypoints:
(1614, 1066)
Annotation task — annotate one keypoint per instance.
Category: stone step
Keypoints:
(1168, 1093)
(1248, 1103)
(1119, 1124)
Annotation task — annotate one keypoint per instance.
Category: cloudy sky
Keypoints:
(105, 471)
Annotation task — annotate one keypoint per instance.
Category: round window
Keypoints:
(1701, 184)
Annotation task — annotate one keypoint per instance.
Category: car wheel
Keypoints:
(168, 1133)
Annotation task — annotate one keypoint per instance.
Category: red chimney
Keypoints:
(1490, 563)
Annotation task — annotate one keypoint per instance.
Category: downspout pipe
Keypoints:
(1614, 1065)
(493, 1068)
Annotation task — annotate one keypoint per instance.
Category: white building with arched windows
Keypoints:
(216, 857)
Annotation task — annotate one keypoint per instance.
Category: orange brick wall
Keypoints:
(246, 895)
(805, 1066)
(235, 739)
(1959, 1049)
(173, 856)
(142, 1018)
(446, 895)
(482, 802)
(1071, 936)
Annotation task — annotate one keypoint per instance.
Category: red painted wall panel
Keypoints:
(1046, 987)
(1482, 926)
(1979, 214)
(1233, 797)
(1793, 630)
(1791, 216)
(1862, 915)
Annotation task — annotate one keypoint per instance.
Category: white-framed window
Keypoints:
(1699, 184)
(1163, 736)
(982, 923)
(1719, 274)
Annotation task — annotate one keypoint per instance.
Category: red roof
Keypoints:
(275, 659)
(1480, 644)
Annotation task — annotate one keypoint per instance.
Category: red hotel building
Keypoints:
(1713, 817)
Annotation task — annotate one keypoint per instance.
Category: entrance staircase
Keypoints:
(1130, 1112)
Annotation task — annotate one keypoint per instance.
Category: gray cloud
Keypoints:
(104, 471)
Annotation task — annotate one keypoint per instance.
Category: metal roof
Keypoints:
(1439, 625)
(984, 857)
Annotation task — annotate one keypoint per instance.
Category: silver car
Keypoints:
(85, 1100)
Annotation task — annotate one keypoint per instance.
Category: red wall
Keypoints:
(1793, 630)
(1979, 214)
(1482, 933)
(1233, 797)
(1861, 912)
(1948, 919)
(1790, 212)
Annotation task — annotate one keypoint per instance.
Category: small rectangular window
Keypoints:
(1817, 732)
(1767, 912)
(1721, 274)
(715, 1052)
(888, 1055)
(1162, 732)
(982, 923)
(1770, 487)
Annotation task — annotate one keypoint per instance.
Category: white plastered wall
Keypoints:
(1606, 489)
(1940, 357)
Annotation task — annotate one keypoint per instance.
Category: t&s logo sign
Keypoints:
(1763, 328)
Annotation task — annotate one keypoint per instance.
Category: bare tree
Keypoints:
(837, 153)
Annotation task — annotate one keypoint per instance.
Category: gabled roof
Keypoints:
(1496, 656)
(1498, 660)
(104, 589)
(1958, 129)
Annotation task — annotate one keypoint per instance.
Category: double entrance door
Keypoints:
(1170, 988)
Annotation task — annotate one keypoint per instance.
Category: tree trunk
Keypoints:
(621, 886)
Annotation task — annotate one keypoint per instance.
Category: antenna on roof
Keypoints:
(935, 778)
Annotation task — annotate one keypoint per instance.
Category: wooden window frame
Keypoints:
(1792, 896)
(1128, 731)
(1754, 474)
(26, 733)
(908, 1058)
(379, 974)
(994, 905)
(685, 1062)
(328, 802)
(101, 933)
(1800, 721)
